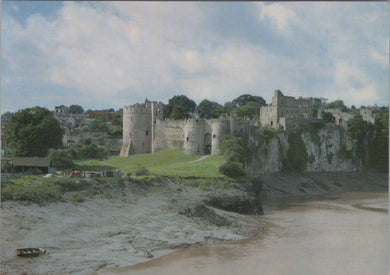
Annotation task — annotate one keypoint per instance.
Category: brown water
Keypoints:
(343, 235)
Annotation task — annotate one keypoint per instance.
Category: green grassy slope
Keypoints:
(169, 163)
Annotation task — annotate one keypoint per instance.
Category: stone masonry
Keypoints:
(145, 130)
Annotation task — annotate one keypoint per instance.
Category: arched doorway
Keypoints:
(207, 144)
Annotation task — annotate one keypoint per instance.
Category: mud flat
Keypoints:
(143, 221)
(344, 234)
(133, 226)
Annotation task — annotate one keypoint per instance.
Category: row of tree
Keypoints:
(181, 107)
(77, 109)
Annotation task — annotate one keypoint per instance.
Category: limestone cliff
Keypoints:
(326, 149)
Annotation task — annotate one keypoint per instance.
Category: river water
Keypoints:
(345, 234)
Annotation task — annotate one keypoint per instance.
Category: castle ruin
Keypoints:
(286, 111)
(146, 131)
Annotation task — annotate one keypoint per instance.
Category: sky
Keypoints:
(104, 55)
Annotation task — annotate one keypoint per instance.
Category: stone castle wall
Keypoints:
(145, 131)
(285, 108)
(169, 134)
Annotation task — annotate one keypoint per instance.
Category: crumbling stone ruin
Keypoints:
(286, 111)
(145, 130)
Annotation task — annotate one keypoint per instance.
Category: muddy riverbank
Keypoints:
(135, 225)
(141, 221)
(346, 233)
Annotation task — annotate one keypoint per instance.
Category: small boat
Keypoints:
(29, 252)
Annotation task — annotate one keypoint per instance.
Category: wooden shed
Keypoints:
(30, 164)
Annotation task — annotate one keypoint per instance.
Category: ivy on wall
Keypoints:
(296, 158)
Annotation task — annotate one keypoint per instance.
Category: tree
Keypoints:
(357, 128)
(188, 105)
(32, 131)
(379, 144)
(61, 159)
(337, 104)
(178, 112)
(234, 148)
(5, 117)
(328, 117)
(246, 98)
(245, 105)
(208, 109)
(229, 106)
(99, 124)
(76, 109)
(251, 110)
(116, 119)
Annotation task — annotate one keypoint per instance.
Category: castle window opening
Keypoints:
(214, 136)
(146, 132)
(188, 139)
(272, 123)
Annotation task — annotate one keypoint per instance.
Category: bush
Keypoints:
(232, 169)
(267, 133)
(297, 157)
(328, 117)
(31, 189)
(76, 197)
(142, 171)
(234, 148)
(70, 184)
(61, 159)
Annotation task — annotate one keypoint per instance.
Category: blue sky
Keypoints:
(110, 54)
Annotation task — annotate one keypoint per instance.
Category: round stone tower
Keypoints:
(193, 135)
(220, 128)
(139, 127)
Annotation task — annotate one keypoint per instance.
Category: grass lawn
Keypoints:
(168, 163)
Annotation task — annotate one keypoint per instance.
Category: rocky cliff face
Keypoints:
(327, 149)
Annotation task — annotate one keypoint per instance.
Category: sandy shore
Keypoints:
(141, 223)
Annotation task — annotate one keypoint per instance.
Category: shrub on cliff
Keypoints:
(328, 117)
(232, 169)
(296, 157)
(234, 148)
(379, 143)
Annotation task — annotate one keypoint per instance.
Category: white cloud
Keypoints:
(353, 85)
(126, 51)
(279, 15)
(380, 58)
